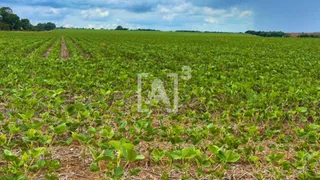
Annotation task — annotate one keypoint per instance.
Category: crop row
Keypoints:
(250, 109)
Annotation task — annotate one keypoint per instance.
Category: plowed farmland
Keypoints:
(248, 107)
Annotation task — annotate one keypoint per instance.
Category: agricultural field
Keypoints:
(248, 107)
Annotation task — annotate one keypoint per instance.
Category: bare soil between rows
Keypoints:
(64, 50)
(49, 50)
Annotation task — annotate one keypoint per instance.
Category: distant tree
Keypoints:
(140, 29)
(50, 26)
(122, 28)
(4, 26)
(267, 33)
(188, 31)
(39, 27)
(13, 21)
(25, 24)
(6, 10)
(306, 35)
(45, 26)
(9, 18)
(250, 32)
(119, 28)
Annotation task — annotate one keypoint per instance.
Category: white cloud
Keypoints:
(175, 9)
(211, 20)
(237, 13)
(245, 13)
(183, 8)
(212, 11)
(94, 13)
(67, 25)
(232, 13)
(90, 26)
(104, 13)
(54, 10)
(169, 17)
(163, 9)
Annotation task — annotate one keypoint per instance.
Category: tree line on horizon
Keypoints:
(306, 35)
(12, 22)
(280, 34)
(268, 33)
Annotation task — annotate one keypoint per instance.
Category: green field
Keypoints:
(69, 106)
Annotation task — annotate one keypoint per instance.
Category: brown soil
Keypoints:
(74, 167)
(47, 53)
(64, 50)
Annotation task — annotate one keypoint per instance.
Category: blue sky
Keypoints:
(210, 15)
